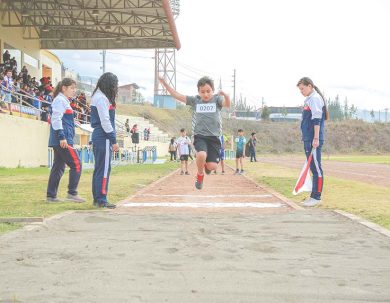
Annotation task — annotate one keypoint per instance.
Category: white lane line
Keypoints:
(205, 205)
(206, 196)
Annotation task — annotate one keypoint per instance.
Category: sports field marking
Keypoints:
(205, 205)
(207, 196)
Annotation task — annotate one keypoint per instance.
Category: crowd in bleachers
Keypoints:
(33, 93)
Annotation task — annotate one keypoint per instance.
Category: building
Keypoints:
(128, 94)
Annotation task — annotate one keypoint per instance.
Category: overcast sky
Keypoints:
(343, 45)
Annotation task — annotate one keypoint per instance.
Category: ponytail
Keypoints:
(307, 81)
(325, 108)
(61, 84)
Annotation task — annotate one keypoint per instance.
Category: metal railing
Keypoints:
(123, 156)
(24, 107)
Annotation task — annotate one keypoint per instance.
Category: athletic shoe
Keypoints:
(75, 198)
(182, 173)
(215, 172)
(199, 181)
(237, 172)
(311, 202)
(241, 172)
(223, 172)
(207, 171)
(52, 200)
(104, 205)
(187, 173)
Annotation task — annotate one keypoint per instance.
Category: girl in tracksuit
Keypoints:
(61, 140)
(314, 115)
(103, 136)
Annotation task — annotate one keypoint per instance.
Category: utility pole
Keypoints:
(234, 87)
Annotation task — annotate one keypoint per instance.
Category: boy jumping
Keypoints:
(206, 123)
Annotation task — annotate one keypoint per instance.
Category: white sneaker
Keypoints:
(311, 202)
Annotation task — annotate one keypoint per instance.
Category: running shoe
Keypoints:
(311, 202)
(187, 173)
(75, 198)
(182, 173)
(52, 200)
(104, 205)
(199, 181)
(237, 172)
(241, 172)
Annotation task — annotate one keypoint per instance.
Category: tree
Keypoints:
(372, 114)
(265, 113)
(346, 110)
(353, 111)
(335, 110)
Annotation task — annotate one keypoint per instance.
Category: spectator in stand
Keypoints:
(45, 116)
(134, 129)
(146, 134)
(127, 126)
(8, 84)
(14, 64)
(6, 56)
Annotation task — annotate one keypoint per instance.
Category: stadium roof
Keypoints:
(93, 24)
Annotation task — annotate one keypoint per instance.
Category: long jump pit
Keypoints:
(233, 241)
(220, 193)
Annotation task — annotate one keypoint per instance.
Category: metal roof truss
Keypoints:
(90, 24)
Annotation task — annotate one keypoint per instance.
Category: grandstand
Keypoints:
(26, 38)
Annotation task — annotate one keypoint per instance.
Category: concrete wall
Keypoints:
(23, 142)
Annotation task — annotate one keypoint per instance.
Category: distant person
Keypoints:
(127, 126)
(223, 139)
(62, 131)
(145, 134)
(6, 56)
(314, 115)
(45, 113)
(8, 85)
(172, 149)
(207, 124)
(183, 143)
(240, 151)
(252, 147)
(103, 136)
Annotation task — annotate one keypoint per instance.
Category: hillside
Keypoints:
(351, 136)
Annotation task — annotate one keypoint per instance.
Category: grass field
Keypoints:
(23, 190)
(368, 201)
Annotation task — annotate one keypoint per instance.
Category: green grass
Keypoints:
(374, 159)
(368, 201)
(6, 227)
(23, 190)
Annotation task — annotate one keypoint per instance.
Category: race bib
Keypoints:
(206, 108)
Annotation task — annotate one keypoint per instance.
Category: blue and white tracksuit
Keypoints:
(103, 136)
(314, 114)
(62, 127)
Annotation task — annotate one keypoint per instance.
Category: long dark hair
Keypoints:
(61, 84)
(108, 84)
(307, 81)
